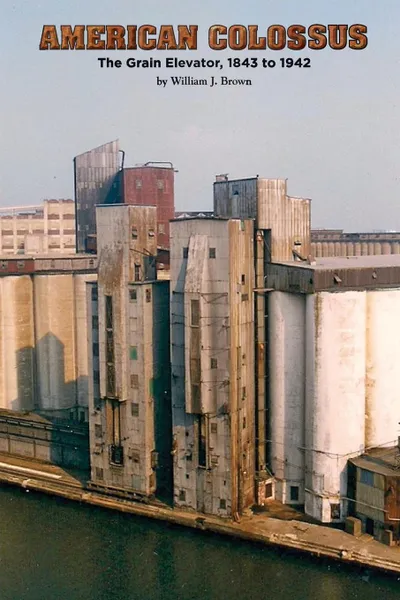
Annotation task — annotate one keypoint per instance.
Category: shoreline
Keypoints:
(315, 540)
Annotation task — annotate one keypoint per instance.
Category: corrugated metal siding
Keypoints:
(95, 173)
(236, 199)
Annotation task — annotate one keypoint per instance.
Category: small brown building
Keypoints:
(374, 487)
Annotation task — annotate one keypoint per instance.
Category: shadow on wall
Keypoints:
(162, 392)
(61, 434)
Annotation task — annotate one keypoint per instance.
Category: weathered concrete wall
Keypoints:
(212, 336)
(286, 316)
(28, 435)
(383, 352)
(132, 310)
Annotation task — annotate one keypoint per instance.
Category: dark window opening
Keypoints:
(222, 504)
(133, 353)
(214, 428)
(135, 409)
(212, 253)
(94, 293)
(98, 432)
(99, 473)
(366, 477)
(202, 442)
(294, 493)
(133, 295)
(148, 295)
(214, 363)
(244, 422)
(195, 313)
(182, 496)
(335, 511)
(137, 272)
(245, 297)
(96, 377)
(185, 252)
(134, 233)
(268, 490)
(134, 381)
(243, 279)
(95, 349)
(95, 322)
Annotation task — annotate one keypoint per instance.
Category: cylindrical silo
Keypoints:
(286, 318)
(377, 248)
(17, 363)
(55, 343)
(382, 413)
(81, 327)
(335, 397)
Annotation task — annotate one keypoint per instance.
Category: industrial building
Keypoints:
(281, 232)
(95, 174)
(102, 178)
(212, 361)
(43, 325)
(38, 229)
(336, 242)
(130, 402)
(333, 390)
(374, 484)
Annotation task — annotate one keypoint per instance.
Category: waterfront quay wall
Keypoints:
(315, 540)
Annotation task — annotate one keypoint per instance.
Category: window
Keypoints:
(96, 377)
(182, 496)
(137, 272)
(214, 428)
(95, 349)
(185, 252)
(134, 381)
(366, 477)
(212, 253)
(99, 473)
(95, 322)
(244, 393)
(245, 297)
(161, 228)
(244, 423)
(335, 511)
(243, 279)
(202, 442)
(214, 363)
(148, 295)
(132, 295)
(109, 312)
(138, 184)
(135, 409)
(222, 504)
(294, 493)
(133, 353)
(98, 431)
(235, 189)
(268, 490)
(151, 233)
(160, 184)
(242, 225)
(134, 233)
(94, 293)
(195, 313)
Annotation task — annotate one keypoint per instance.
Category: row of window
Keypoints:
(212, 253)
(139, 184)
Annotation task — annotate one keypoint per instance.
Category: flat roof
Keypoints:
(385, 461)
(348, 262)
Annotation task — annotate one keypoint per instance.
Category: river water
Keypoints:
(56, 550)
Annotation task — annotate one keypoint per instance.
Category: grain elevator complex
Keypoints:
(207, 360)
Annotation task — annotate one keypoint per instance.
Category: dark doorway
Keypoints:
(369, 527)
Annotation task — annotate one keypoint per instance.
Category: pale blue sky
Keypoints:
(332, 130)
